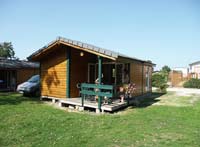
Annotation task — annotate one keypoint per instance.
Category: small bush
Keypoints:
(159, 81)
(163, 88)
(192, 83)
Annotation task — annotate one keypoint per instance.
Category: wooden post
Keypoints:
(82, 100)
(40, 73)
(82, 96)
(143, 78)
(68, 73)
(115, 86)
(99, 77)
(100, 68)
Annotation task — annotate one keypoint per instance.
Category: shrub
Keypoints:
(159, 81)
(192, 83)
(163, 88)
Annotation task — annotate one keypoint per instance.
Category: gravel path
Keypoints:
(184, 91)
(179, 97)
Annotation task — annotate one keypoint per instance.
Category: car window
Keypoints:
(34, 79)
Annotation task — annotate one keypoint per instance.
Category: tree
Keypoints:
(6, 50)
(166, 69)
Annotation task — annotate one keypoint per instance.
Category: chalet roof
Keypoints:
(194, 63)
(109, 53)
(16, 64)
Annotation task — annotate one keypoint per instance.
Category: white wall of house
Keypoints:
(195, 68)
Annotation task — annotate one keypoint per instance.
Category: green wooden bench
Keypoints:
(99, 90)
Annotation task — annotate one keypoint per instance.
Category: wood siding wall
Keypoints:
(24, 74)
(79, 69)
(138, 76)
(53, 73)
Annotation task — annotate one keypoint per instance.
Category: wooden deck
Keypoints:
(92, 104)
(76, 102)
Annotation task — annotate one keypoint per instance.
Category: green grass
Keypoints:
(29, 122)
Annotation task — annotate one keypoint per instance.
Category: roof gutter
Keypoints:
(142, 61)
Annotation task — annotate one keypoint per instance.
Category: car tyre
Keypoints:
(37, 93)
(25, 94)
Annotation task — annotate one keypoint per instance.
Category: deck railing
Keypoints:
(98, 90)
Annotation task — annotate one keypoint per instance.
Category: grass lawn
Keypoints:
(29, 122)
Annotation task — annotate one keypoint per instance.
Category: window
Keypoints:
(147, 79)
(126, 73)
(119, 73)
(113, 72)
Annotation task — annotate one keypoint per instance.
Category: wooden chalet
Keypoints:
(14, 72)
(69, 69)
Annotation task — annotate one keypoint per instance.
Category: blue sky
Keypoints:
(164, 31)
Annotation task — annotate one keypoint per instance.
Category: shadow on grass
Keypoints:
(145, 101)
(150, 100)
(10, 98)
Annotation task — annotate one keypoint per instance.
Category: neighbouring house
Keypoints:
(66, 64)
(14, 72)
(195, 69)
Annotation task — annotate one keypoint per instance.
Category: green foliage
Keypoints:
(192, 83)
(159, 81)
(6, 50)
(26, 122)
(163, 88)
(166, 69)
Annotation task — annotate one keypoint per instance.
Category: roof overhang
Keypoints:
(194, 63)
(129, 59)
(78, 46)
(17, 64)
(87, 48)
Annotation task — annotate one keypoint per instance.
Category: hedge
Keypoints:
(192, 83)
